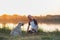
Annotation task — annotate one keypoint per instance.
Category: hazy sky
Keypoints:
(33, 7)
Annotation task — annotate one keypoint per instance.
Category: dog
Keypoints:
(17, 30)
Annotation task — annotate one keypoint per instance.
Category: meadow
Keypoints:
(5, 35)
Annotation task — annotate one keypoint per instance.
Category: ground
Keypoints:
(5, 35)
(38, 36)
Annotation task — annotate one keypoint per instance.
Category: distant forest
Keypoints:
(18, 18)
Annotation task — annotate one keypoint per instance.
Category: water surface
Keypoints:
(44, 26)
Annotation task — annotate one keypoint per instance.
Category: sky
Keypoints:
(30, 7)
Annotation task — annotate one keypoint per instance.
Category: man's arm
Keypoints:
(35, 21)
(28, 26)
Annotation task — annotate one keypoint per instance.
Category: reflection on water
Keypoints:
(1, 26)
(44, 27)
(49, 27)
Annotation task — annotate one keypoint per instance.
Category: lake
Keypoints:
(44, 26)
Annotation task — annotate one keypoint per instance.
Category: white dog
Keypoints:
(17, 31)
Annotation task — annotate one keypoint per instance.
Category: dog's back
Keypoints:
(17, 30)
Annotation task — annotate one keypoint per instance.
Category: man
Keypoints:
(33, 24)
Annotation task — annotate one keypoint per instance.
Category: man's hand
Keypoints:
(28, 29)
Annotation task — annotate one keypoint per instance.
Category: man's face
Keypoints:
(30, 18)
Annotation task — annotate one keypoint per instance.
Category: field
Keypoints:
(5, 35)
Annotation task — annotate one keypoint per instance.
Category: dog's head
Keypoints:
(21, 23)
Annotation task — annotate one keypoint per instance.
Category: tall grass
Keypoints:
(41, 35)
(5, 30)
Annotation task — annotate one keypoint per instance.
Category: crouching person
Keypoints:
(17, 31)
(33, 24)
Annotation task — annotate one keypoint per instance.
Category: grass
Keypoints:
(5, 35)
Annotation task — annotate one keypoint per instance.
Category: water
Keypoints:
(49, 27)
(43, 26)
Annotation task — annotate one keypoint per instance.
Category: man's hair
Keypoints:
(29, 16)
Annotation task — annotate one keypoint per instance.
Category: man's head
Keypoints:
(30, 17)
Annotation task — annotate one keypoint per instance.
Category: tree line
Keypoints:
(18, 18)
